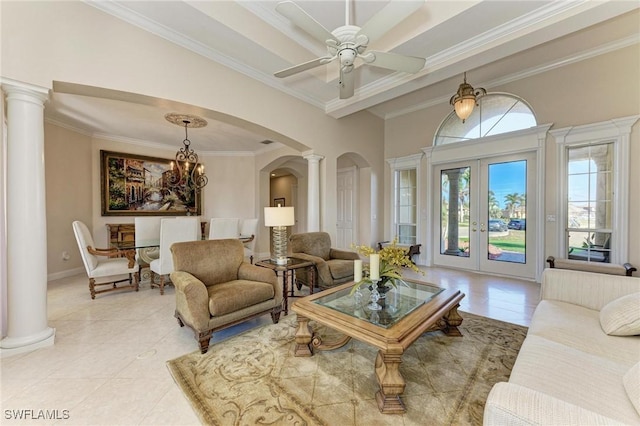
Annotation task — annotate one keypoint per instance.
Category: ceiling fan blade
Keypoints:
(303, 20)
(346, 84)
(303, 67)
(388, 17)
(393, 61)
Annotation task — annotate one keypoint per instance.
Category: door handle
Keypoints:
(474, 229)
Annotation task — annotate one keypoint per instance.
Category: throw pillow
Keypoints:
(621, 317)
(631, 381)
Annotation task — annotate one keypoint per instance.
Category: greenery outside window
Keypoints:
(593, 193)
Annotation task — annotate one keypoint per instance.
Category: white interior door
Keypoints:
(346, 204)
(487, 220)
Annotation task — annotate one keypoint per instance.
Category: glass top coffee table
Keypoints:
(407, 312)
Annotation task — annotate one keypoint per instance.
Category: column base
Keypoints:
(13, 346)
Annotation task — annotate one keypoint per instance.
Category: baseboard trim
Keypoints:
(64, 274)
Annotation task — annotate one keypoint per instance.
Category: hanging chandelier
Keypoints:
(465, 99)
(187, 173)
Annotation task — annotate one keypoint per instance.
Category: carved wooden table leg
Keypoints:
(452, 320)
(391, 382)
(303, 337)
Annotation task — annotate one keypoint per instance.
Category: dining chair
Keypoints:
(110, 271)
(223, 228)
(146, 229)
(249, 228)
(172, 231)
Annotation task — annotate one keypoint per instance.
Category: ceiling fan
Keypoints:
(349, 42)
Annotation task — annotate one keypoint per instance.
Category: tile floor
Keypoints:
(108, 362)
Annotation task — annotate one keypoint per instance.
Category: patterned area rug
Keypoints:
(253, 378)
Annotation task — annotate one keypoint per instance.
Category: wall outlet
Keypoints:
(66, 256)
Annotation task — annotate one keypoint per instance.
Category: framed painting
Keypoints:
(278, 202)
(136, 185)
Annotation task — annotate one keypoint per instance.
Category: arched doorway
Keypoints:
(485, 188)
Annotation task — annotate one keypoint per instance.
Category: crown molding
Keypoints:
(125, 14)
(510, 31)
(542, 68)
(68, 126)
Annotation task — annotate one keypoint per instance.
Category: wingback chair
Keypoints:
(333, 266)
(110, 270)
(216, 288)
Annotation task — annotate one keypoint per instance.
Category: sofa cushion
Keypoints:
(631, 381)
(579, 328)
(234, 295)
(588, 381)
(621, 317)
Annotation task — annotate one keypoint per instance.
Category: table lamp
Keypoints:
(279, 218)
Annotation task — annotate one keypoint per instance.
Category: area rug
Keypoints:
(254, 378)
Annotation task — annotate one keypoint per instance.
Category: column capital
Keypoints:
(24, 91)
(311, 157)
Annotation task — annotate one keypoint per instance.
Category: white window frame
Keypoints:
(397, 164)
(617, 131)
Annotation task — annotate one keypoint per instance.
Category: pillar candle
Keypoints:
(357, 270)
(374, 266)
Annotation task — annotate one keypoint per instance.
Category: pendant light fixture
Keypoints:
(465, 99)
(187, 173)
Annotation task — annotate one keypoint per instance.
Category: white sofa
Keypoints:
(569, 371)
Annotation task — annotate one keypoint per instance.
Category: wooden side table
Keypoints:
(288, 276)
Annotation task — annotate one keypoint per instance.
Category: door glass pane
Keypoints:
(507, 212)
(407, 234)
(589, 207)
(454, 211)
(405, 217)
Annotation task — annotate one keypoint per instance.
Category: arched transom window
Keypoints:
(496, 113)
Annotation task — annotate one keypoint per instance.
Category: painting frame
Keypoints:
(279, 201)
(136, 185)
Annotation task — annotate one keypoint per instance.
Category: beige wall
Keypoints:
(68, 174)
(590, 91)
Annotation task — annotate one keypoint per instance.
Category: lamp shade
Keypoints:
(279, 216)
(464, 107)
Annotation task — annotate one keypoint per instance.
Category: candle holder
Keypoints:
(374, 297)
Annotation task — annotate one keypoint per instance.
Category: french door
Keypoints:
(486, 211)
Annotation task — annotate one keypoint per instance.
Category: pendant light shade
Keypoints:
(465, 99)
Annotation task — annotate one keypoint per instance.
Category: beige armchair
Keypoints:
(216, 288)
(105, 272)
(333, 266)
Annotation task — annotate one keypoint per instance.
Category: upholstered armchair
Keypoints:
(216, 288)
(105, 267)
(333, 266)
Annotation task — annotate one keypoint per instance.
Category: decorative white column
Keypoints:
(313, 192)
(27, 326)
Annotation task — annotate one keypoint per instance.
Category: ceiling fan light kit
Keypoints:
(465, 99)
(349, 42)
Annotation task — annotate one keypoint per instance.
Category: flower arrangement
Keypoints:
(389, 261)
